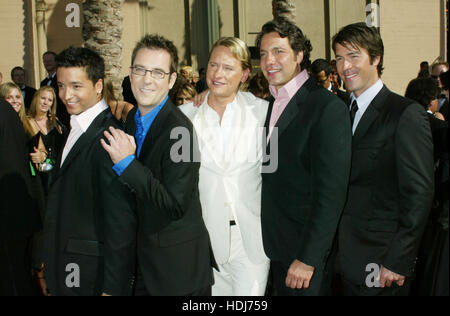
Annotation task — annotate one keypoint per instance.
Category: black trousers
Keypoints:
(15, 265)
(141, 290)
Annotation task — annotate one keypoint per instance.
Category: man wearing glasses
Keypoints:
(173, 246)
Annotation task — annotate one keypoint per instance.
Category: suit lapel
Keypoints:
(292, 109)
(370, 115)
(94, 131)
(155, 129)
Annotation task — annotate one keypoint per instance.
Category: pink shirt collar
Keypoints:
(290, 88)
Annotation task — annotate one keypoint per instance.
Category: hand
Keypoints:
(299, 275)
(121, 145)
(200, 98)
(120, 109)
(37, 156)
(42, 282)
(387, 277)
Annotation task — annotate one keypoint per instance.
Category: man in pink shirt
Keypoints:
(302, 200)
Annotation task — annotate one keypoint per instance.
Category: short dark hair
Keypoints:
(319, 65)
(49, 53)
(155, 41)
(361, 35)
(16, 68)
(298, 41)
(84, 58)
(423, 91)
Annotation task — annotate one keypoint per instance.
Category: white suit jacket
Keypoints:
(230, 182)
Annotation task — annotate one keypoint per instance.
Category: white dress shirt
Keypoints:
(364, 101)
(79, 125)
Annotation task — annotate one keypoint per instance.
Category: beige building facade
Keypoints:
(412, 30)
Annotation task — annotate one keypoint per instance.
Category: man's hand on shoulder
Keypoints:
(299, 275)
(121, 145)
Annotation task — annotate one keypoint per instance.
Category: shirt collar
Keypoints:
(211, 114)
(367, 96)
(147, 120)
(85, 119)
(290, 88)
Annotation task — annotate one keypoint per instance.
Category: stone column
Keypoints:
(41, 7)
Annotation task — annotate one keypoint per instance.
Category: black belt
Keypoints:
(232, 223)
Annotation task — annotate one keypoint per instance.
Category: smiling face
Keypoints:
(15, 99)
(355, 68)
(45, 102)
(148, 91)
(224, 74)
(279, 62)
(76, 90)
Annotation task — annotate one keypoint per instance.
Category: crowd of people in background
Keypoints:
(227, 94)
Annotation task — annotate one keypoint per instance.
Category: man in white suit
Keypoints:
(229, 126)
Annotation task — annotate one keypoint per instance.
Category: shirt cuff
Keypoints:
(120, 167)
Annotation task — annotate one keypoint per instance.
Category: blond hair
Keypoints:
(32, 112)
(238, 49)
(5, 91)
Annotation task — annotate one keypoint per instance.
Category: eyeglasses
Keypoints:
(155, 73)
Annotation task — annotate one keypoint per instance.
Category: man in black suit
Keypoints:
(48, 59)
(391, 180)
(173, 244)
(19, 215)
(303, 198)
(18, 77)
(321, 70)
(89, 225)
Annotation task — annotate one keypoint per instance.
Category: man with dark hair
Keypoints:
(18, 77)
(173, 252)
(303, 198)
(89, 226)
(321, 70)
(391, 179)
(48, 59)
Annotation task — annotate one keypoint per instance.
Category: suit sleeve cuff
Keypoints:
(120, 167)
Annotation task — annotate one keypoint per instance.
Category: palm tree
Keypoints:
(284, 9)
(102, 31)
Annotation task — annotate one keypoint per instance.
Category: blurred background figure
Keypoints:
(335, 79)
(126, 91)
(432, 263)
(185, 94)
(48, 59)
(259, 86)
(18, 77)
(201, 86)
(424, 71)
(443, 105)
(186, 72)
(1, 78)
(322, 72)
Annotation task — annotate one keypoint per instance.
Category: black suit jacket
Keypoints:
(61, 111)
(390, 190)
(29, 93)
(344, 96)
(89, 221)
(303, 199)
(19, 213)
(173, 244)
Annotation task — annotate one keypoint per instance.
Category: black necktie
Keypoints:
(353, 110)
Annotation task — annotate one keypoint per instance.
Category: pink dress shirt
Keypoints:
(283, 96)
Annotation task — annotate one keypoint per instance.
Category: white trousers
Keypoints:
(239, 276)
